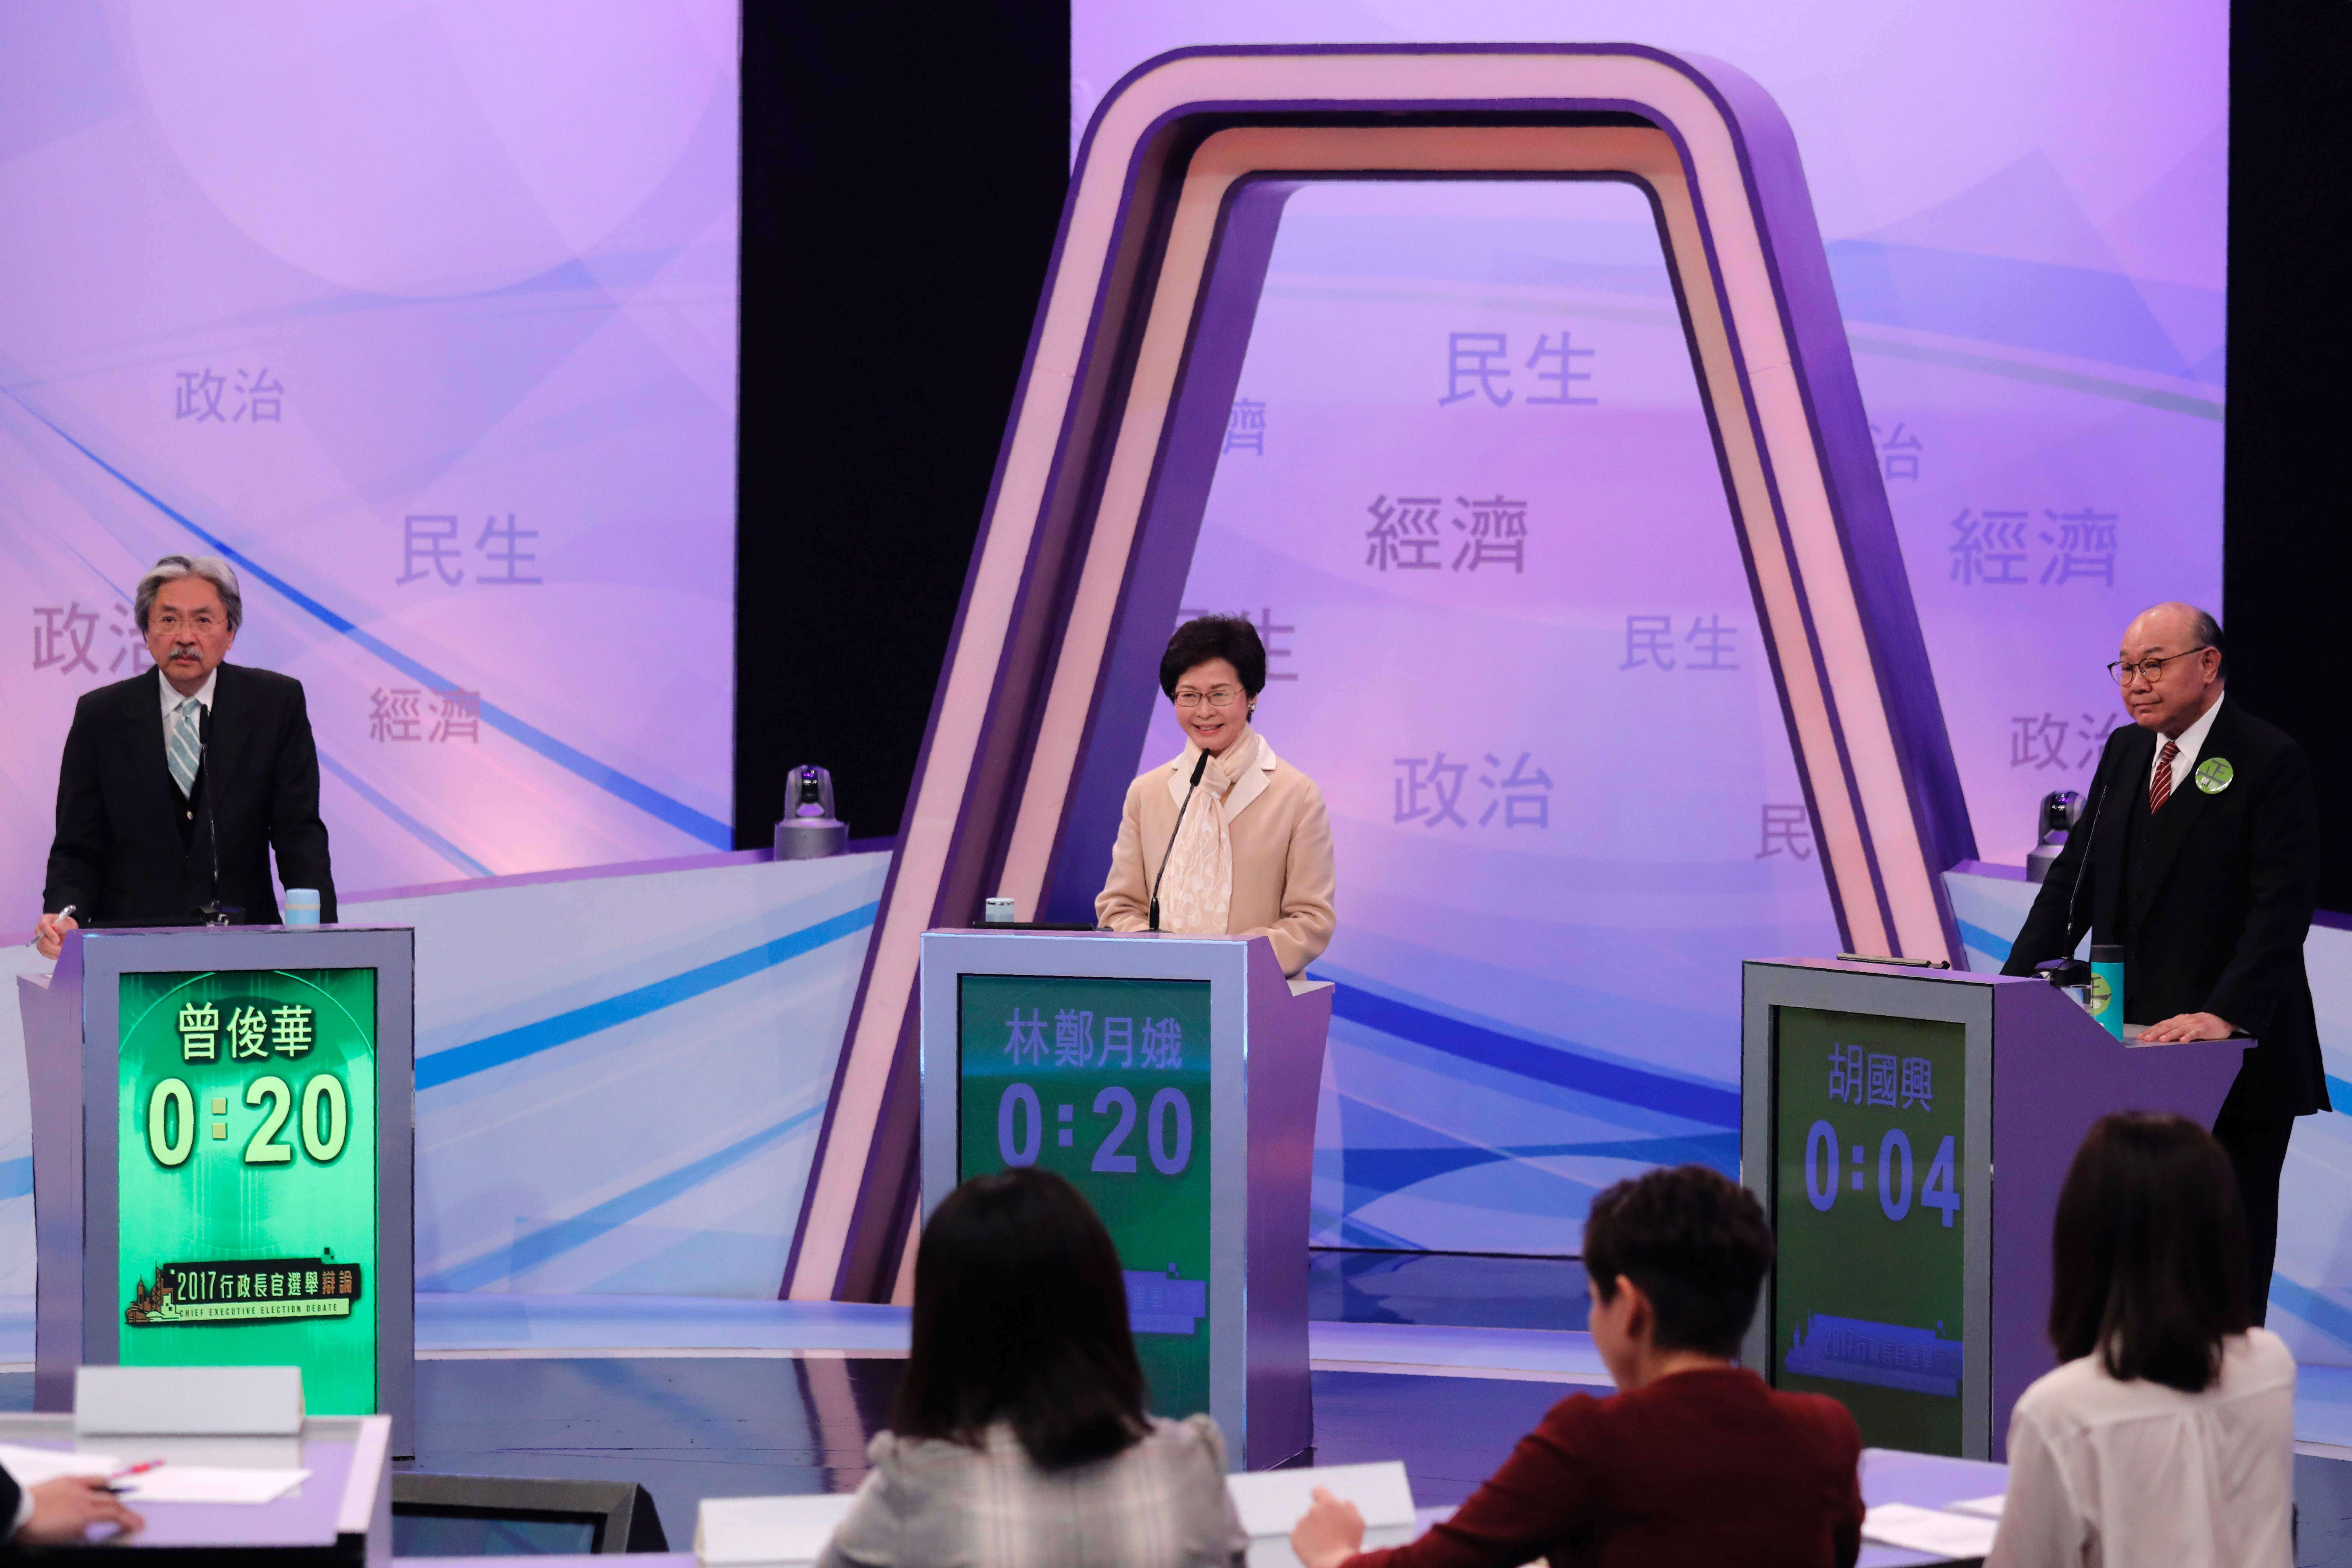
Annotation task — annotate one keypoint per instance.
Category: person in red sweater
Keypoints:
(1693, 1460)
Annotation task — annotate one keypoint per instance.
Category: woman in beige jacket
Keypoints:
(1252, 854)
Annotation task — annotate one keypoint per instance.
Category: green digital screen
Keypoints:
(1867, 1293)
(246, 1165)
(1106, 1082)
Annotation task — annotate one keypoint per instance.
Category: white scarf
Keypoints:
(1197, 885)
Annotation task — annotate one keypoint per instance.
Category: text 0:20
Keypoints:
(1168, 1137)
(325, 1122)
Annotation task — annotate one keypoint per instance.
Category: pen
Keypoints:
(138, 1469)
(61, 915)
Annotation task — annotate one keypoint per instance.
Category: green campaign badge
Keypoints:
(2097, 995)
(2214, 774)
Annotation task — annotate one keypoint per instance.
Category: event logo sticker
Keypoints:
(263, 1291)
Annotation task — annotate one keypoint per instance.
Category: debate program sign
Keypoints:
(246, 1161)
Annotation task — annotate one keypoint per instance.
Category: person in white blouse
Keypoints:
(2166, 1435)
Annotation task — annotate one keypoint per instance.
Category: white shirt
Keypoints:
(172, 698)
(2191, 740)
(2104, 1474)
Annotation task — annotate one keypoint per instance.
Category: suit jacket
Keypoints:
(1283, 874)
(11, 1495)
(130, 847)
(2212, 899)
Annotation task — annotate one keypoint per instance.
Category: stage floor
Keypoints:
(698, 1398)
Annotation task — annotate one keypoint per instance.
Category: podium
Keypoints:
(1876, 1104)
(1173, 1080)
(223, 1121)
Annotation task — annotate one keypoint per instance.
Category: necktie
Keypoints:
(186, 750)
(2160, 788)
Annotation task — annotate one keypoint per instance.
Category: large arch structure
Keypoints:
(1114, 438)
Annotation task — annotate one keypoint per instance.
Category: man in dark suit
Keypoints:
(2199, 857)
(177, 784)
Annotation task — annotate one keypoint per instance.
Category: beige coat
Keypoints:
(1283, 873)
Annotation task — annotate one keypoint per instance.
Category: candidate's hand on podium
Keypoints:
(49, 936)
(1329, 1534)
(65, 1509)
(2188, 1026)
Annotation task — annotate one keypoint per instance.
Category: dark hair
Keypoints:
(1696, 1244)
(2208, 630)
(1230, 638)
(2148, 1256)
(1021, 1317)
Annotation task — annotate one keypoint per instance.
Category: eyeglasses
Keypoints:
(2151, 668)
(1221, 697)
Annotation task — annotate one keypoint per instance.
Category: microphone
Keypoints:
(1198, 769)
(2066, 969)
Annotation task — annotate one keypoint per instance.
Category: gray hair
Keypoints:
(171, 568)
(2208, 631)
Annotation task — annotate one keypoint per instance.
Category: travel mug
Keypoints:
(2104, 998)
(301, 906)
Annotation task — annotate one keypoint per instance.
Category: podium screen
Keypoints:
(1106, 1082)
(1867, 1293)
(247, 1166)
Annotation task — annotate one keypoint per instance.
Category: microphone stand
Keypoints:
(1198, 769)
(213, 909)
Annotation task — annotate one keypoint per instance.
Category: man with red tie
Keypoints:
(2199, 855)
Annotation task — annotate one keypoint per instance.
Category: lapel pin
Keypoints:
(2214, 774)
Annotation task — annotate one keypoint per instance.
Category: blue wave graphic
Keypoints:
(530, 1039)
(553, 1240)
(385, 804)
(1559, 1065)
(643, 796)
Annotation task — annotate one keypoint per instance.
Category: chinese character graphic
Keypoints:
(1403, 534)
(263, 397)
(1437, 778)
(1899, 455)
(2094, 731)
(1163, 1044)
(61, 637)
(1845, 1074)
(1990, 549)
(1881, 1081)
(290, 1030)
(1649, 639)
(2038, 742)
(431, 539)
(1526, 798)
(460, 717)
(1025, 1039)
(395, 715)
(2086, 547)
(1918, 1083)
(1497, 532)
(1712, 643)
(1473, 361)
(1565, 358)
(199, 397)
(1118, 1035)
(249, 1034)
(509, 553)
(199, 1032)
(1787, 828)
(1245, 426)
(1074, 1039)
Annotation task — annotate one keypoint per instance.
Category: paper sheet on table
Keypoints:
(31, 1467)
(1929, 1529)
(210, 1483)
(1982, 1507)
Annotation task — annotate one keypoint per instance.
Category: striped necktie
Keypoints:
(186, 750)
(2160, 788)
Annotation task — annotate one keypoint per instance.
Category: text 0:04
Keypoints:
(324, 1125)
(1941, 1190)
(1168, 1134)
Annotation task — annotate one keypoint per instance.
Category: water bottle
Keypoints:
(301, 906)
(2104, 997)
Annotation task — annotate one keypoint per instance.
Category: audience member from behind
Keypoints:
(1020, 1436)
(2168, 1435)
(1695, 1461)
